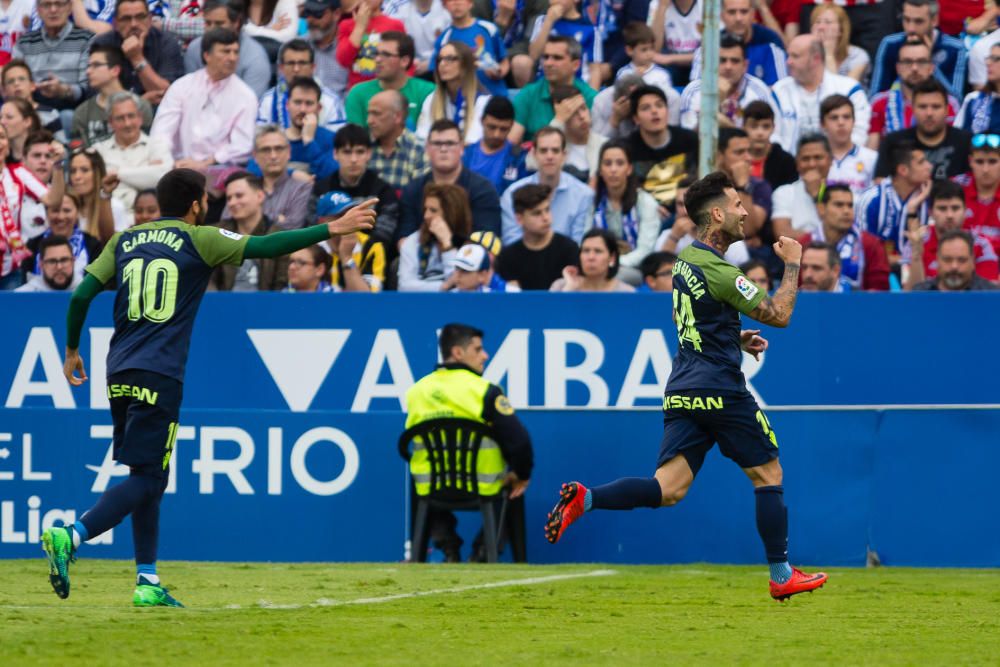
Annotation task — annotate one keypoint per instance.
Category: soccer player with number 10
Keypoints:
(161, 269)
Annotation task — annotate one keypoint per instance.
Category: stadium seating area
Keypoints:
(513, 145)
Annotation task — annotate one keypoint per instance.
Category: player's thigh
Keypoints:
(744, 433)
(152, 410)
(683, 435)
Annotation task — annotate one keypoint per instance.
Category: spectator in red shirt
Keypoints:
(982, 206)
(863, 262)
(947, 206)
(358, 40)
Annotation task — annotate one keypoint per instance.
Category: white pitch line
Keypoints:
(531, 581)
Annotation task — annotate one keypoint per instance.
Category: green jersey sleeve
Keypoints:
(219, 246)
(728, 284)
(103, 268)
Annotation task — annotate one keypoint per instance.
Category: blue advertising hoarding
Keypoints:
(293, 406)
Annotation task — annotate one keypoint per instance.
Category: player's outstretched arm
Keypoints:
(776, 311)
(79, 304)
(361, 218)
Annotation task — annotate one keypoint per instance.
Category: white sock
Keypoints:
(153, 579)
(76, 537)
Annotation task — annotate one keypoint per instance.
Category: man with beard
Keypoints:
(56, 257)
(322, 18)
(956, 266)
(946, 147)
(706, 399)
(162, 269)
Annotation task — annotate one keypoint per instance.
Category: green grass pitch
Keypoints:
(323, 614)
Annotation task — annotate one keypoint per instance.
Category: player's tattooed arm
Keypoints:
(777, 310)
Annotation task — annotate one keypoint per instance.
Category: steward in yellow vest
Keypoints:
(456, 389)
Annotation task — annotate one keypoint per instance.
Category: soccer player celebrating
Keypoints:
(706, 399)
(162, 269)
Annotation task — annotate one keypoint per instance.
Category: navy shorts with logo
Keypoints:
(145, 408)
(693, 421)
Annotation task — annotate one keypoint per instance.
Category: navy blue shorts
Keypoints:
(145, 408)
(693, 421)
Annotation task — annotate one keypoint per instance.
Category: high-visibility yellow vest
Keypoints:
(452, 394)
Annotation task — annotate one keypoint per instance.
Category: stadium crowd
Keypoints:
(512, 144)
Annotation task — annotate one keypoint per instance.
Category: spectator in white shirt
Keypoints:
(794, 206)
(424, 21)
(808, 84)
(853, 165)
(138, 160)
(207, 117)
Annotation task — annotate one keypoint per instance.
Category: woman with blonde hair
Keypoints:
(456, 91)
(829, 22)
(100, 215)
(427, 256)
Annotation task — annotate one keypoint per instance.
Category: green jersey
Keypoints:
(162, 269)
(709, 295)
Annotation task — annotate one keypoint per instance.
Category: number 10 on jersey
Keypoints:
(152, 289)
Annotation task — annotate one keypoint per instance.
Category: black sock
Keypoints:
(118, 502)
(626, 493)
(772, 522)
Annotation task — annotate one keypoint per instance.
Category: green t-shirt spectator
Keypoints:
(533, 105)
(415, 91)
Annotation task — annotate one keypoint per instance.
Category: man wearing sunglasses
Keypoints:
(322, 18)
(982, 215)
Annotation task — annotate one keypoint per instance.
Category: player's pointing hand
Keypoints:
(361, 218)
(789, 250)
(74, 363)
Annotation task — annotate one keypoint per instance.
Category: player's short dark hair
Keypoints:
(564, 92)
(953, 234)
(636, 32)
(900, 155)
(641, 92)
(832, 256)
(456, 335)
(729, 41)
(404, 43)
(930, 86)
(215, 36)
(703, 193)
(652, 262)
(824, 197)
(943, 189)
(574, 47)
(443, 125)
(306, 83)
(255, 182)
(832, 103)
(351, 135)
(178, 190)
(52, 241)
(610, 242)
(549, 130)
(42, 136)
(529, 196)
(499, 107)
(299, 45)
(727, 134)
(758, 110)
(814, 138)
